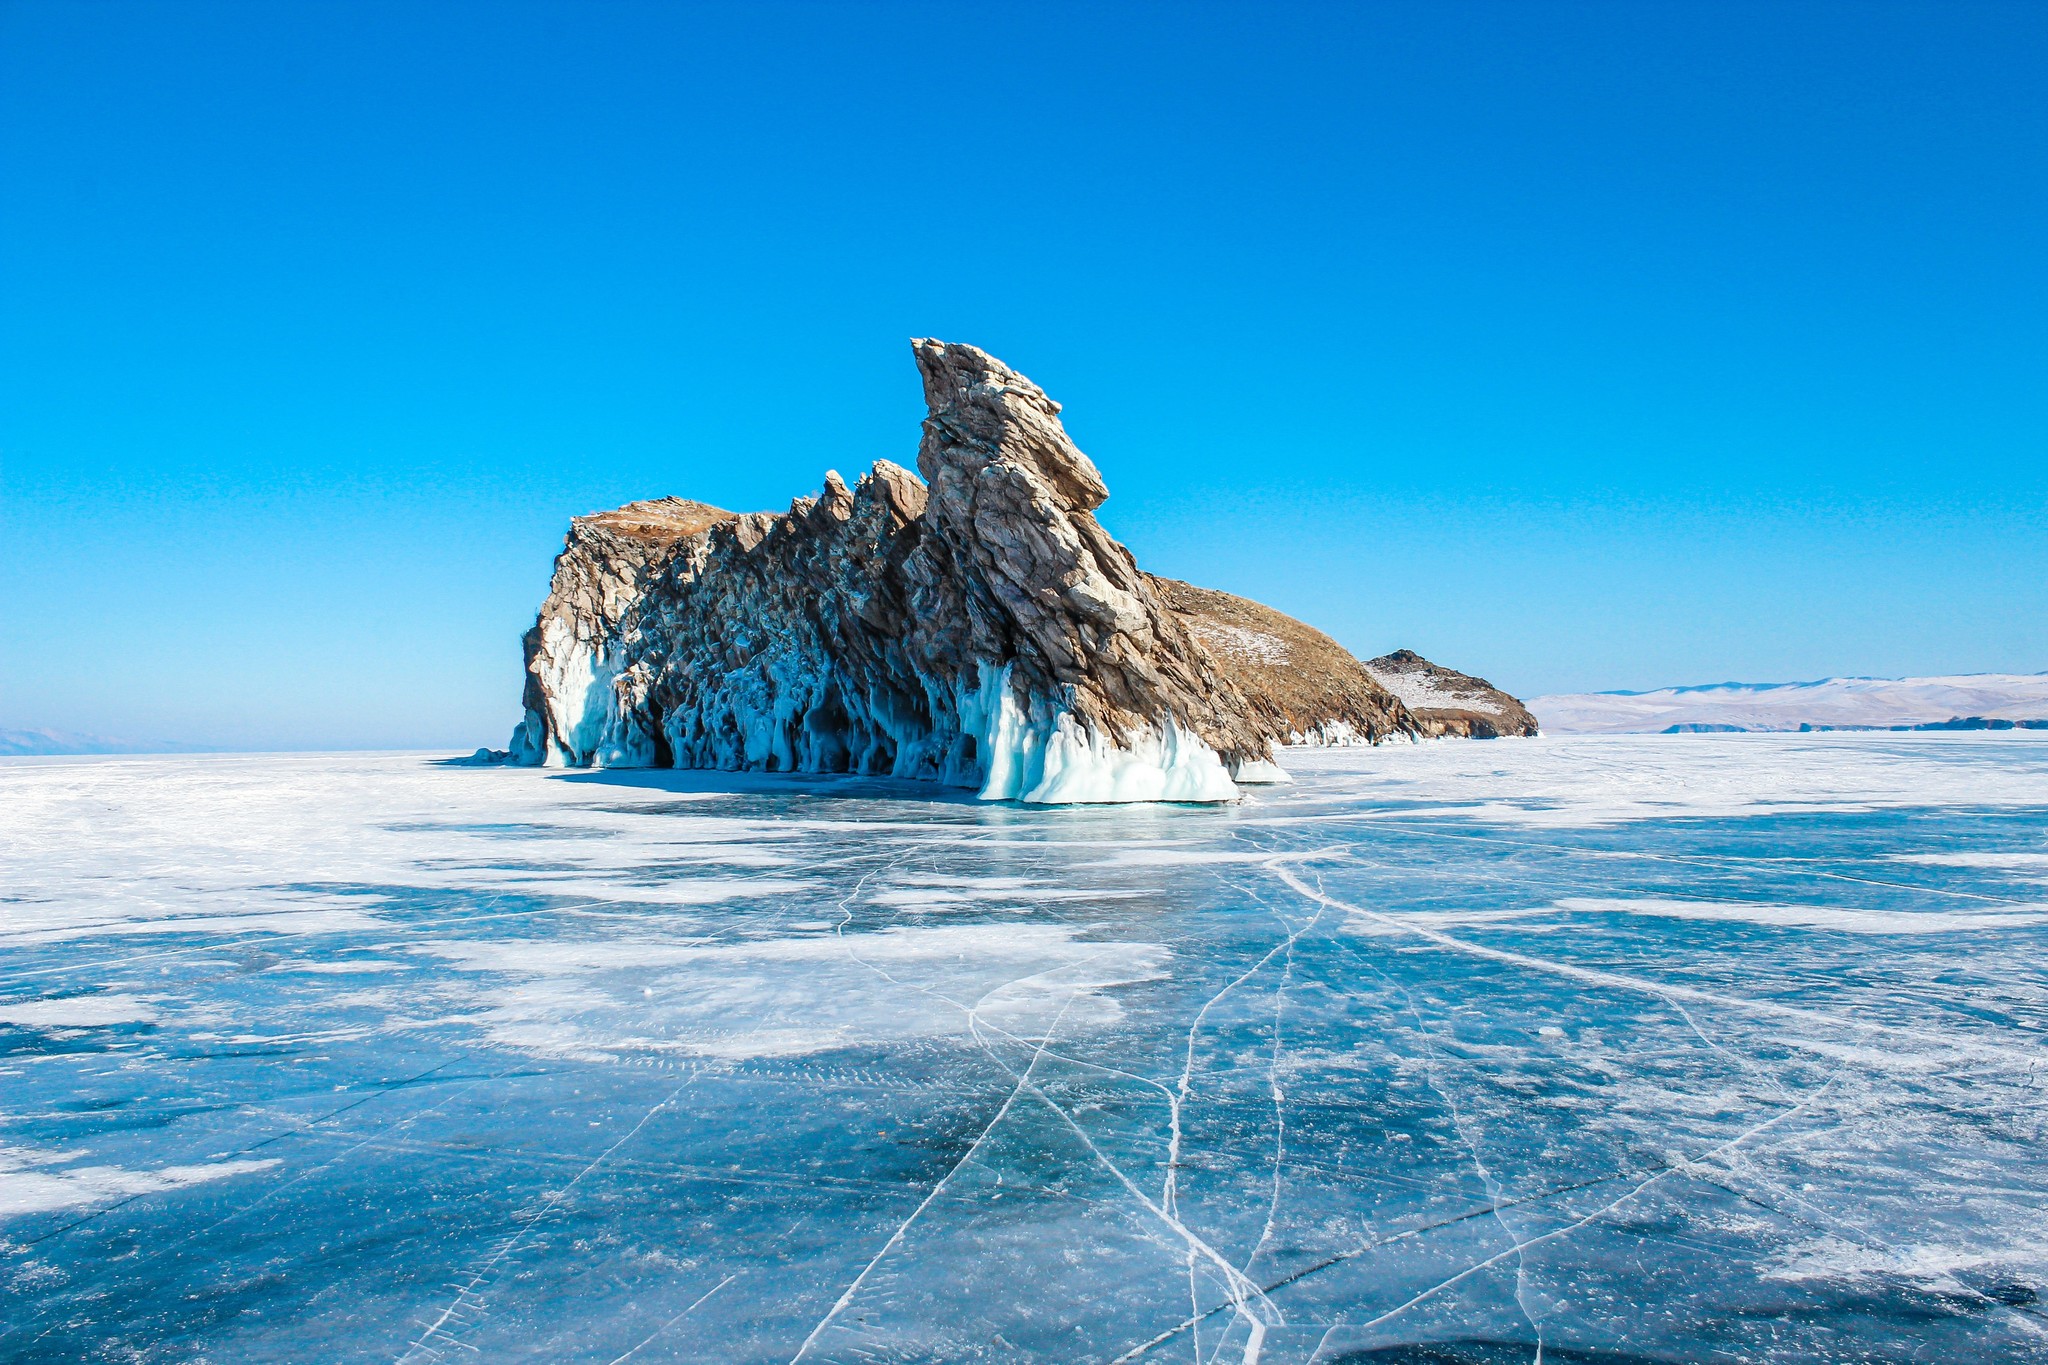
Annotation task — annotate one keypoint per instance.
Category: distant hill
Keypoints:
(1996, 699)
(1447, 702)
(27, 743)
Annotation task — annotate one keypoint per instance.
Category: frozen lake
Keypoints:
(1691, 1048)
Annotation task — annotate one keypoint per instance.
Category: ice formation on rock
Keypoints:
(975, 627)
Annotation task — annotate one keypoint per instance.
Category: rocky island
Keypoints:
(975, 627)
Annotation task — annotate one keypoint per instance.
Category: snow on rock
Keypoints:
(975, 627)
(1446, 702)
(1418, 690)
(1242, 643)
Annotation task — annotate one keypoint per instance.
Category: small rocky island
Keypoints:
(975, 627)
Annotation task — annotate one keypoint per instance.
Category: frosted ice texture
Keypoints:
(1640, 1049)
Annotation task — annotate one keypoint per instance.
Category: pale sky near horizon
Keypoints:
(1581, 346)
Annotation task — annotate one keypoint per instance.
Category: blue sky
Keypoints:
(1580, 346)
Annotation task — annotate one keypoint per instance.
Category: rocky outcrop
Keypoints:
(574, 648)
(1446, 702)
(976, 627)
(1305, 687)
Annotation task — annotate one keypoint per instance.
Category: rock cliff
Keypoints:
(1446, 702)
(975, 627)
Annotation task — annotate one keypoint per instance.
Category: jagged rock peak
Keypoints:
(978, 627)
(981, 410)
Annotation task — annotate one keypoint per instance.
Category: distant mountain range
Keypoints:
(26, 743)
(1965, 701)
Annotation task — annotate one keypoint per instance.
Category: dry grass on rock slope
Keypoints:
(1301, 681)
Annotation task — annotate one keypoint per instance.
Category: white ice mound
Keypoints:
(1064, 763)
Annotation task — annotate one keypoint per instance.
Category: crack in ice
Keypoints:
(465, 1296)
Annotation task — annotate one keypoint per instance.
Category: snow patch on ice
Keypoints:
(920, 894)
(921, 898)
(1845, 921)
(78, 1011)
(1390, 925)
(788, 994)
(2018, 862)
(1176, 856)
(57, 924)
(1828, 1257)
(679, 891)
(1582, 781)
(35, 1180)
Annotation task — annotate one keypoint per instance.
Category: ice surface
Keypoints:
(1640, 1049)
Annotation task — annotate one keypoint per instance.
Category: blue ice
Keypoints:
(1614, 1049)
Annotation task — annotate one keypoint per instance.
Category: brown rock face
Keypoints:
(1446, 702)
(1303, 685)
(1012, 506)
(977, 627)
